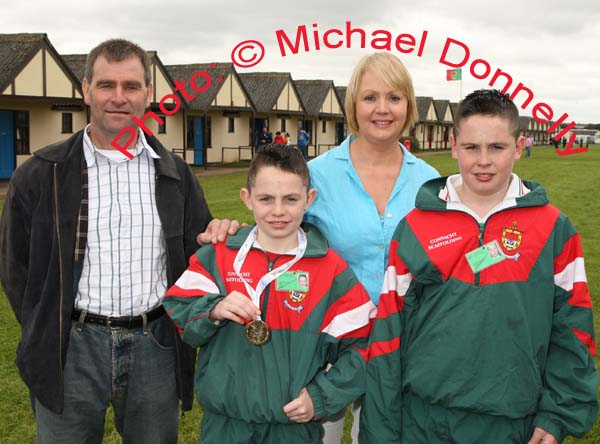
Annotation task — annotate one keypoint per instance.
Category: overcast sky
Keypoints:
(551, 46)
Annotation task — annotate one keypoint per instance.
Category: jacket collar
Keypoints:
(61, 152)
(317, 244)
(90, 150)
(434, 195)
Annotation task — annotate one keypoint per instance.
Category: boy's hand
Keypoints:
(540, 436)
(300, 409)
(234, 307)
(217, 230)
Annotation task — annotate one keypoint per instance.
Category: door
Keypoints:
(7, 144)
(198, 140)
(339, 133)
(259, 124)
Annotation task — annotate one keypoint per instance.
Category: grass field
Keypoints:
(571, 182)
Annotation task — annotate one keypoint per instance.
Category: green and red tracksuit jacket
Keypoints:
(330, 323)
(514, 339)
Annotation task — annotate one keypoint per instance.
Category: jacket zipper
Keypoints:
(60, 276)
(263, 309)
(481, 228)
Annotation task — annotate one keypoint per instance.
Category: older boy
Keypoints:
(270, 307)
(481, 347)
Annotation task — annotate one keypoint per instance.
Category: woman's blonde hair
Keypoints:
(393, 72)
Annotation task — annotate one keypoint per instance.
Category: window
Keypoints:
(67, 123)
(162, 129)
(231, 125)
(324, 127)
(282, 125)
(22, 132)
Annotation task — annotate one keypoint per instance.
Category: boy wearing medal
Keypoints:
(270, 307)
(485, 313)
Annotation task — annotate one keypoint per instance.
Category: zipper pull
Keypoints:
(480, 235)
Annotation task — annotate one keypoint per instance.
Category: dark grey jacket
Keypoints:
(37, 244)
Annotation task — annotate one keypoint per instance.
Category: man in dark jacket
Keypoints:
(89, 242)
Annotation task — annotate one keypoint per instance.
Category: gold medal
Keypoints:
(258, 332)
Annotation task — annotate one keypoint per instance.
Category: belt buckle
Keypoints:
(110, 319)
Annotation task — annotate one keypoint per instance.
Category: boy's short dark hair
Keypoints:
(117, 50)
(489, 102)
(285, 157)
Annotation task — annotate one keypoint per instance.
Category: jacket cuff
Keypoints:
(317, 400)
(544, 421)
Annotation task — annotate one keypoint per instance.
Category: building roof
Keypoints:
(441, 106)
(341, 92)
(423, 104)
(76, 63)
(524, 123)
(454, 109)
(17, 50)
(264, 88)
(218, 73)
(313, 94)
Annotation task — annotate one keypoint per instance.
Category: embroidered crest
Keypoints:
(511, 237)
(297, 296)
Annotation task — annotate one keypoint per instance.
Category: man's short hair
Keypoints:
(392, 71)
(285, 157)
(488, 102)
(117, 50)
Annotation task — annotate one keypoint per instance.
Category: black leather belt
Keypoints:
(120, 321)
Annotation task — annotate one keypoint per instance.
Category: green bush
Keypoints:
(415, 145)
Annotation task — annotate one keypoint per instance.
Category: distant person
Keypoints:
(280, 138)
(288, 138)
(303, 139)
(528, 146)
(483, 347)
(263, 138)
(564, 142)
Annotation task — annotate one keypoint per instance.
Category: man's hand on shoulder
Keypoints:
(217, 230)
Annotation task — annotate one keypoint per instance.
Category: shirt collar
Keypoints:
(344, 151)
(516, 189)
(91, 151)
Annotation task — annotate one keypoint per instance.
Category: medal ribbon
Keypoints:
(271, 275)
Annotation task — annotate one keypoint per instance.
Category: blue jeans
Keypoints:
(304, 150)
(132, 369)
